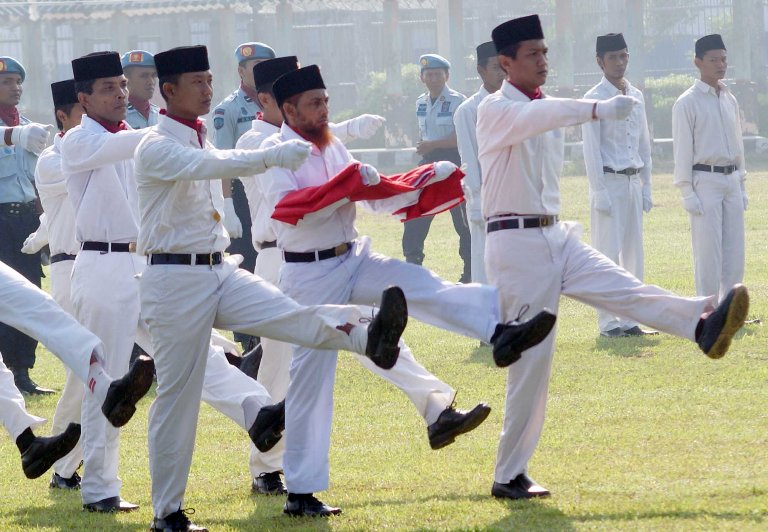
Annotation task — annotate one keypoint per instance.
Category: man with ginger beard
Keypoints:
(324, 262)
(182, 235)
(432, 398)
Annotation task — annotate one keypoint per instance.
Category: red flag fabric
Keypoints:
(433, 197)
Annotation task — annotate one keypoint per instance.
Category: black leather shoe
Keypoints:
(511, 339)
(616, 332)
(637, 331)
(26, 385)
(42, 453)
(59, 482)
(123, 394)
(251, 361)
(309, 506)
(452, 423)
(176, 521)
(233, 358)
(386, 328)
(522, 487)
(268, 428)
(110, 505)
(723, 323)
(269, 484)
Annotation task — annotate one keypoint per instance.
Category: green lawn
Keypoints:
(641, 434)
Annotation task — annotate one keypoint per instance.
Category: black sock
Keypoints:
(497, 332)
(298, 496)
(24, 440)
(699, 327)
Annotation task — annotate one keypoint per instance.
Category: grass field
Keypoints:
(641, 434)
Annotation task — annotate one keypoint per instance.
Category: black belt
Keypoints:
(58, 257)
(18, 208)
(107, 247)
(626, 171)
(187, 259)
(528, 222)
(312, 256)
(268, 244)
(729, 169)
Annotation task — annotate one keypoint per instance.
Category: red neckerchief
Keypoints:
(142, 106)
(251, 93)
(61, 133)
(196, 124)
(113, 127)
(10, 115)
(535, 95)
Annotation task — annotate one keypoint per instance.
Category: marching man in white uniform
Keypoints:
(32, 311)
(533, 258)
(617, 154)
(325, 263)
(432, 397)
(190, 287)
(710, 171)
(465, 119)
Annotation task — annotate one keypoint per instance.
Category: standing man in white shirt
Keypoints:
(533, 258)
(60, 221)
(325, 263)
(432, 398)
(617, 154)
(190, 286)
(465, 120)
(710, 171)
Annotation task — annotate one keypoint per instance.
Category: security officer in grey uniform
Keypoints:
(231, 118)
(434, 110)
(19, 211)
(139, 69)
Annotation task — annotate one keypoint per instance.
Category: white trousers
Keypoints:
(619, 235)
(69, 408)
(718, 234)
(533, 267)
(13, 411)
(477, 236)
(429, 395)
(359, 277)
(180, 305)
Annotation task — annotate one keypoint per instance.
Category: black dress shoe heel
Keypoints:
(724, 322)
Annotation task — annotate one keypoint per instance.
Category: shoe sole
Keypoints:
(273, 434)
(545, 321)
(542, 495)
(122, 411)
(395, 309)
(473, 421)
(302, 514)
(734, 320)
(58, 451)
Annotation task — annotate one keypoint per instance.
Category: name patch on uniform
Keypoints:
(445, 107)
(218, 122)
(245, 119)
(218, 111)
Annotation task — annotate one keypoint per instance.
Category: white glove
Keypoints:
(231, 221)
(32, 137)
(647, 201)
(616, 108)
(290, 154)
(443, 169)
(370, 175)
(474, 205)
(37, 240)
(692, 204)
(601, 202)
(365, 126)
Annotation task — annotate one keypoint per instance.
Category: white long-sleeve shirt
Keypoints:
(52, 188)
(180, 195)
(465, 120)
(706, 129)
(618, 144)
(521, 150)
(100, 181)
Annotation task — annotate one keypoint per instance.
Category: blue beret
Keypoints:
(433, 61)
(8, 65)
(138, 58)
(253, 50)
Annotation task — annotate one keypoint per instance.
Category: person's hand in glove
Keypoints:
(32, 137)
(692, 204)
(370, 175)
(37, 240)
(365, 126)
(616, 108)
(231, 222)
(290, 154)
(601, 202)
(647, 201)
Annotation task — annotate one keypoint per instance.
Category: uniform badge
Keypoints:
(243, 111)
(442, 98)
(446, 107)
(136, 57)
(424, 62)
(246, 51)
(219, 111)
(218, 122)
(2, 65)
(216, 216)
